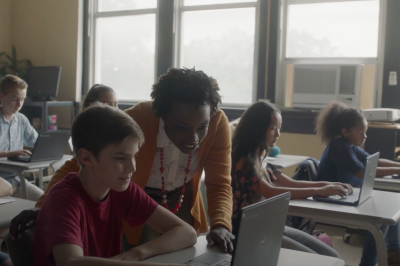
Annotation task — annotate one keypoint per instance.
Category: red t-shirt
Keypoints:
(70, 216)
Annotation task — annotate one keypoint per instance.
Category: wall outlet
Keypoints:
(392, 78)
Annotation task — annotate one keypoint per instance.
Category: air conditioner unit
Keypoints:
(316, 85)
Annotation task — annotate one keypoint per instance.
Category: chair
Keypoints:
(21, 249)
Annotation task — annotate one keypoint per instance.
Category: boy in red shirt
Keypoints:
(80, 222)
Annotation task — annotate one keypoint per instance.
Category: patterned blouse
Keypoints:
(244, 185)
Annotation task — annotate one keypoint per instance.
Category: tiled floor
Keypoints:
(351, 252)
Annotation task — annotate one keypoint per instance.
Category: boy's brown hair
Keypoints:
(99, 126)
(10, 82)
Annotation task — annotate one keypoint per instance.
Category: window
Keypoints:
(123, 46)
(215, 36)
(338, 29)
(218, 37)
(321, 34)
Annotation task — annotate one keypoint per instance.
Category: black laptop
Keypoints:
(50, 145)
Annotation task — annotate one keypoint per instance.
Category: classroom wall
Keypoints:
(391, 94)
(5, 26)
(300, 144)
(48, 33)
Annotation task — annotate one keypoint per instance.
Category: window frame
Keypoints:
(180, 8)
(90, 37)
(282, 60)
(170, 36)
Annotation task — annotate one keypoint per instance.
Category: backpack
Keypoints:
(307, 170)
(321, 236)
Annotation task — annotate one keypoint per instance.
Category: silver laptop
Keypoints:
(50, 145)
(259, 238)
(361, 194)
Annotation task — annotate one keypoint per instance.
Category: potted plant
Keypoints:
(13, 66)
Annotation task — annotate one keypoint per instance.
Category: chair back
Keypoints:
(21, 249)
(57, 164)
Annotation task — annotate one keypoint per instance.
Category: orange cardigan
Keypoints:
(214, 158)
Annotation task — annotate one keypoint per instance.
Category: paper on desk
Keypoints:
(4, 201)
(270, 158)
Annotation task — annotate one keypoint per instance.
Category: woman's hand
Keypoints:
(333, 189)
(221, 236)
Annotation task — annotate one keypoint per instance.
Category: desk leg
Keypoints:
(23, 184)
(40, 178)
(379, 242)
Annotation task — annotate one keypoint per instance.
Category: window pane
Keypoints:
(341, 29)
(221, 43)
(125, 55)
(117, 5)
(213, 2)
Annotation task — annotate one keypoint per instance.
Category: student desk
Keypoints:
(284, 160)
(286, 257)
(19, 167)
(387, 183)
(381, 208)
(9, 210)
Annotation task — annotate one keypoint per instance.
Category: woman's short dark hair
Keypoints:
(94, 94)
(183, 85)
(99, 126)
(335, 117)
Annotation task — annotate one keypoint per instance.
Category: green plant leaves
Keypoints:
(14, 66)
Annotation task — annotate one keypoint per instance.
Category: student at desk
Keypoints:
(95, 200)
(15, 131)
(258, 131)
(343, 130)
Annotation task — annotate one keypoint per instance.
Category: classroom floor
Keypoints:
(351, 252)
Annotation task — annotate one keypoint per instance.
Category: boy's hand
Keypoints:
(23, 222)
(221, 236)
(17, 153)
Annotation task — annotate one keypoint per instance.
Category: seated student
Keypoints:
(344, 129)
(102, 94)
(80, 222)
(257, 131)
(15, 131)
(98, 93)
(185, 133)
